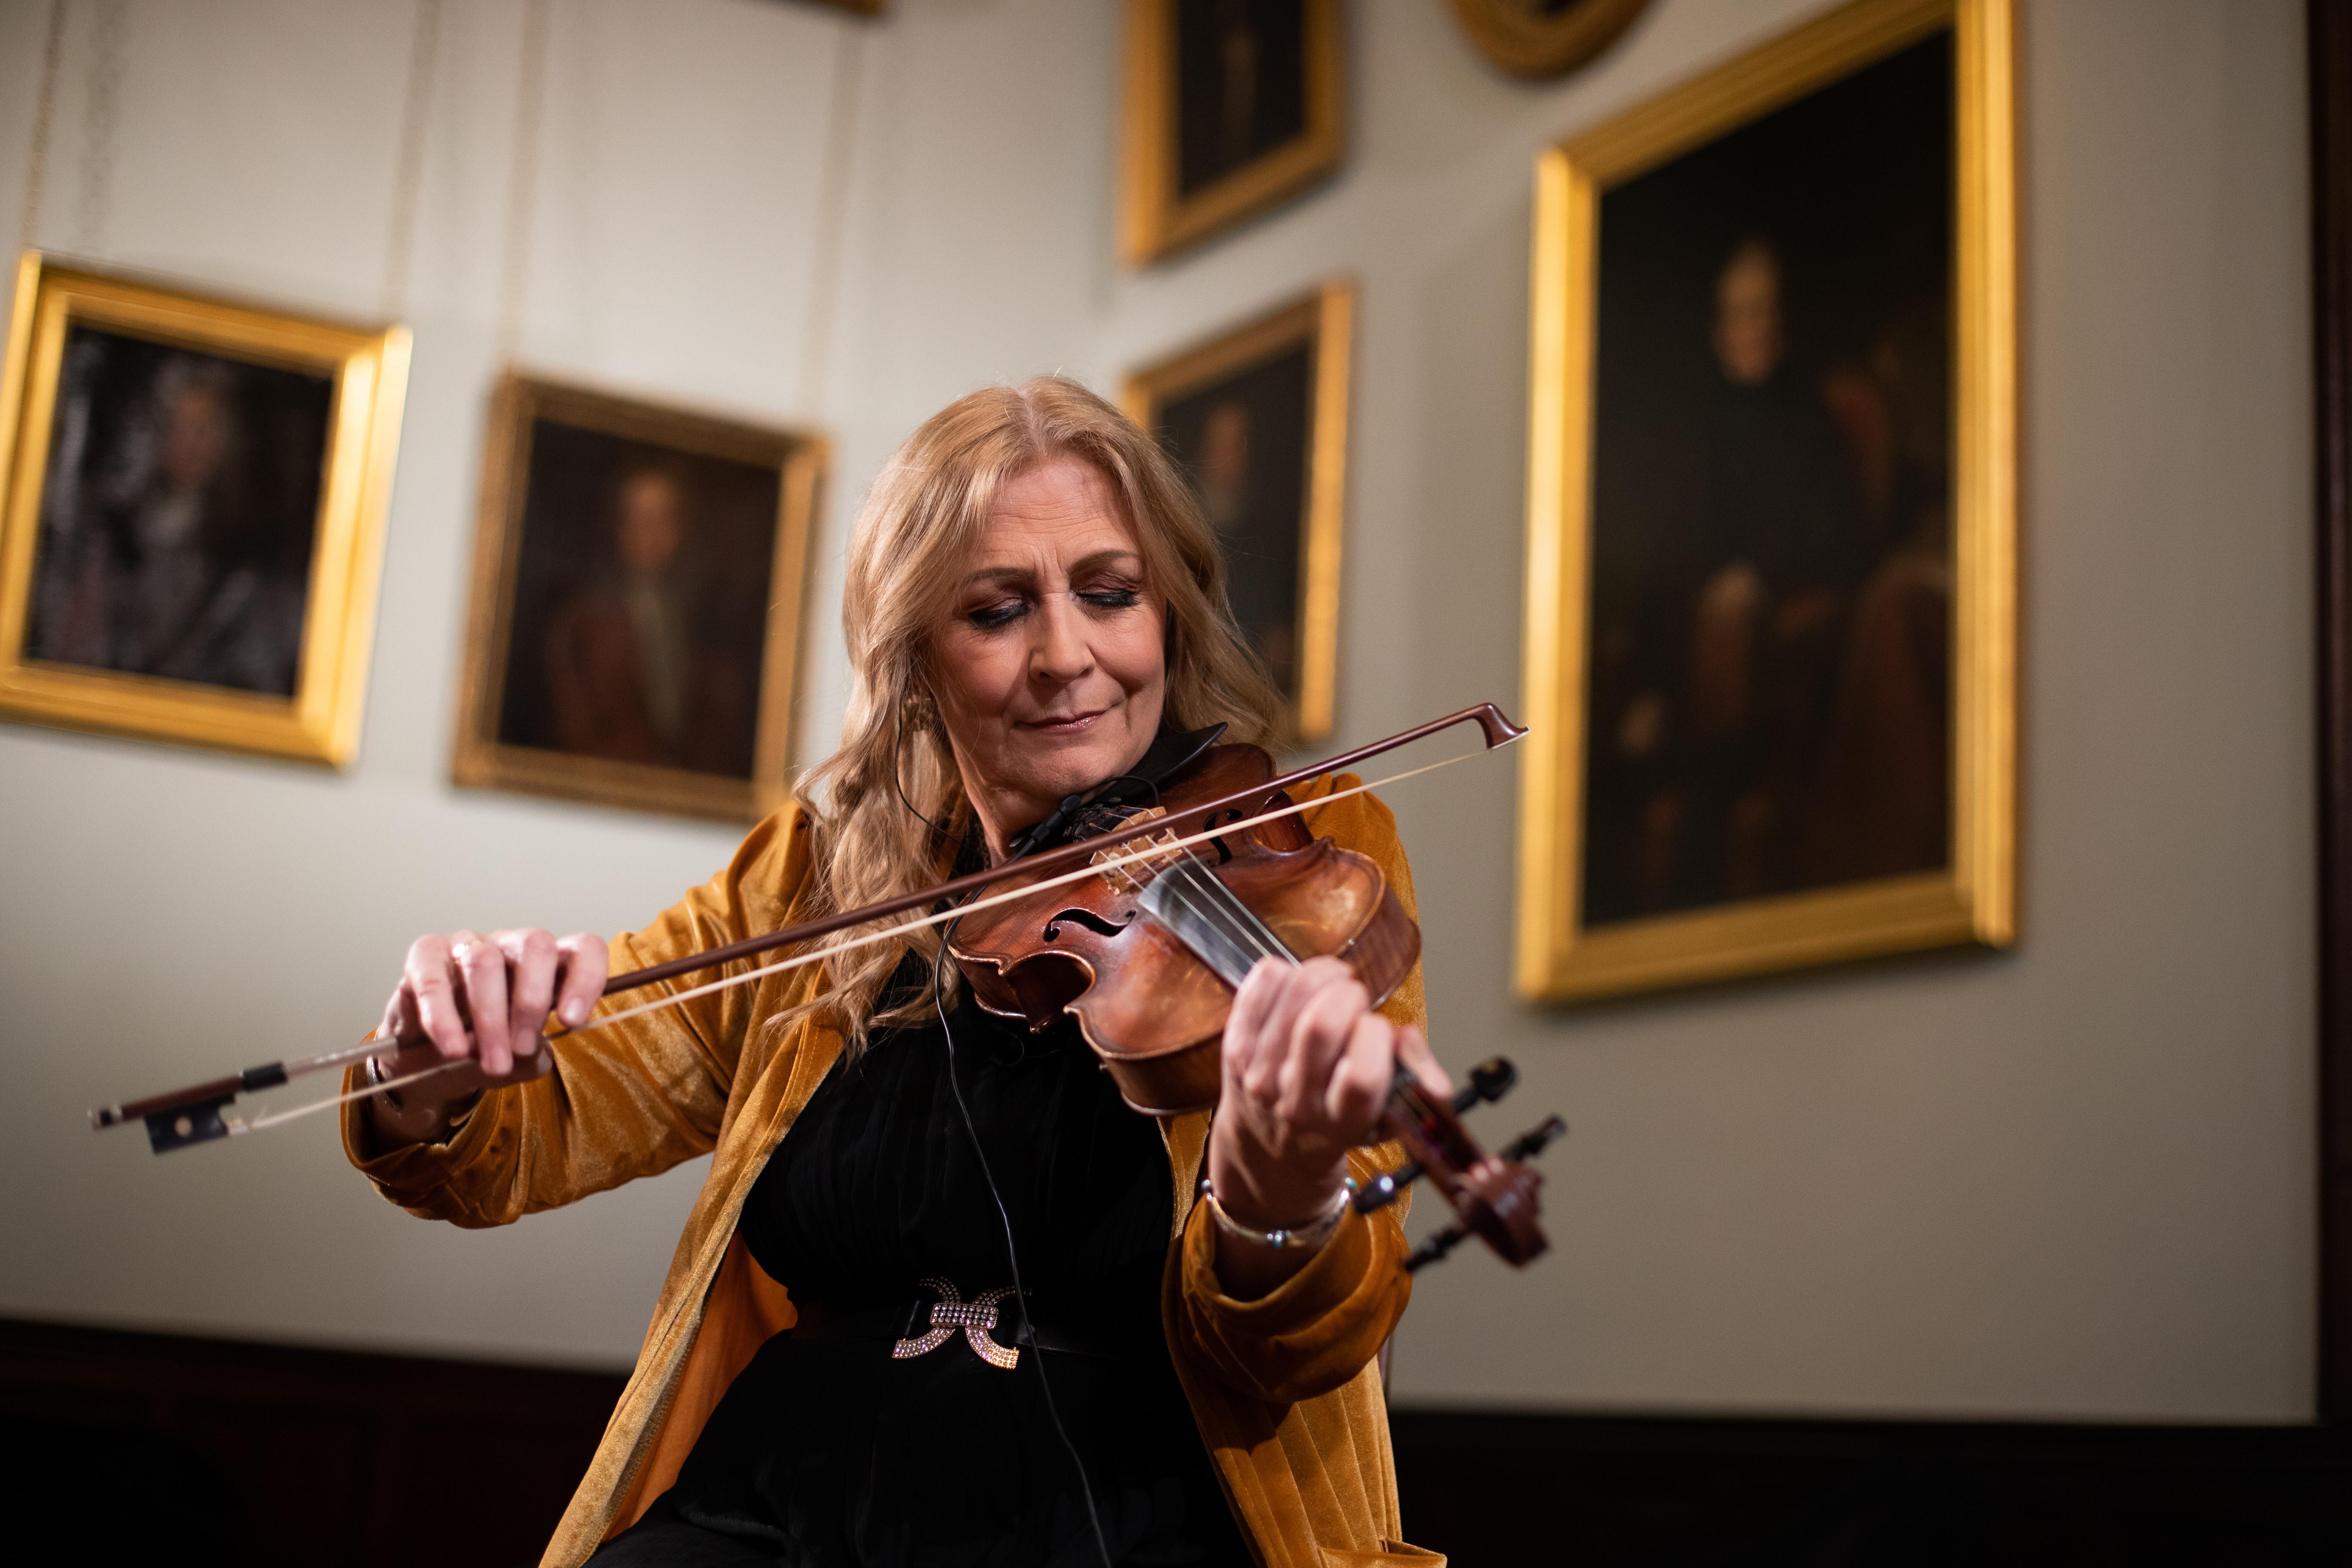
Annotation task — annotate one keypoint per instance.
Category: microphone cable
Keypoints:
(1011, 1252)
(1004, 1214)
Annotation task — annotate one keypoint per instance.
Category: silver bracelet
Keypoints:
(1314, 1233)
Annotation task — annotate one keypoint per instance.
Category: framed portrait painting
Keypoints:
(638, 576)
(1771, 583)
(1231, 107)
(191, 519)
(1258, 418)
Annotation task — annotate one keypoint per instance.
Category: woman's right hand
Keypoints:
(489, 996)
(465, 995)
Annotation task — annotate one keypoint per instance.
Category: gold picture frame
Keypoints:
(1289, 366)
(1177, 187)
(1541, 46)
(562, 693)
(272, 601)
(1971, 898)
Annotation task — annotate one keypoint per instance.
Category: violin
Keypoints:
(1148, 954)
(1141, 929)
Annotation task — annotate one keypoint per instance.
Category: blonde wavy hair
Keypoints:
(919, 527)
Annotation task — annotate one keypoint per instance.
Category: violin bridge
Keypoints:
(1121, 871)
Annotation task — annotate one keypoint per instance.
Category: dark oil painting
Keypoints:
(639, 624)
(1770, 665)
(1241, 85)
(179, 511)
(1243, 440)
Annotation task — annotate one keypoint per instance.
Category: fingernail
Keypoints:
(574, 1012)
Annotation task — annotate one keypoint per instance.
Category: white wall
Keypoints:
(2075, 1181)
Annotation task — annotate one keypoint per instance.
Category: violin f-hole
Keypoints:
(1087, 917)
(1209, 823)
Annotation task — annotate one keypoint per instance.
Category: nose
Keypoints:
(1059, 651)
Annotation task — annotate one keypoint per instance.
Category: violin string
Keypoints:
(1184, 890)
(1197, 889)
(1240, 922)
(1239, 917)
(1194, 888)
(803, 959)
(1212, 901)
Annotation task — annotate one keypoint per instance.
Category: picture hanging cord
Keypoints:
(99, 119)
(99, 122)
(45, 109)
(522, 184)
(832, 204)
(408, 175)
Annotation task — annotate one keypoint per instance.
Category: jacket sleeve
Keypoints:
(627, 1101)
(1318, 1328)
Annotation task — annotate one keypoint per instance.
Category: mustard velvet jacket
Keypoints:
(1283, 1388)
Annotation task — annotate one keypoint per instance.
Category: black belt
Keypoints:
(938, 1313)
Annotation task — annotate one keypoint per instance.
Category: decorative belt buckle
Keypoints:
(952, 1312)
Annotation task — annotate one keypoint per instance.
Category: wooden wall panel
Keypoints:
(154, 1447)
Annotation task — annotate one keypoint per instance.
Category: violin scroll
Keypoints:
(1493, 1195)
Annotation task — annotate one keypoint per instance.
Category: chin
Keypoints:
(1057, 766)
(1060, 775)
(1049, 765)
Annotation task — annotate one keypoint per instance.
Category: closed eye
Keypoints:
(1004, 613)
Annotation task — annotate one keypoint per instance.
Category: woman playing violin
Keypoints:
(944, 1299)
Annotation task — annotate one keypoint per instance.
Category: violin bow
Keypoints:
(201, 1113)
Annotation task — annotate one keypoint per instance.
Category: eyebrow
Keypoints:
(1083, 564)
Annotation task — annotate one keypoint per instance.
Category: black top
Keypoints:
(827, 1452)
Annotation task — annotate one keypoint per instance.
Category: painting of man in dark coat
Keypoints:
(1768, 697)
(179, 505)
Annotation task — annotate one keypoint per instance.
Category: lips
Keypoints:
(1064, 724)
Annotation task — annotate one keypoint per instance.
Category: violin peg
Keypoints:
(1529, 1144)
(1434, 1249)
(1489, 1081)
(1495, 1077)
(1387, 1187)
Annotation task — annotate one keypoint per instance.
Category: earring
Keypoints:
(899, 766)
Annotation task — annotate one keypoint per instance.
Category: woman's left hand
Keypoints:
(1307, 1068)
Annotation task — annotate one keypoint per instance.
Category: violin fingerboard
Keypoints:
(1220, 943)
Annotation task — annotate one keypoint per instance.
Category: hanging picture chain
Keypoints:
(523, 182)
(45, 109)
(99, 119)
(833, 202)
(409, 174)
